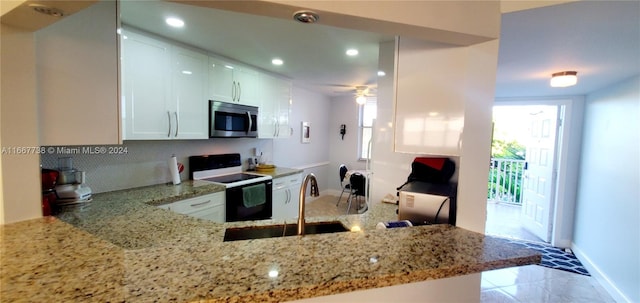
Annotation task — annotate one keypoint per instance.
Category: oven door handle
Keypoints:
(201, 203)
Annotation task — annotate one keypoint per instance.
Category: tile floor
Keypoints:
(504, 220)
(326, 206)
(535, 283)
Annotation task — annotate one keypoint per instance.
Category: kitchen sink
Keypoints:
(281, 230)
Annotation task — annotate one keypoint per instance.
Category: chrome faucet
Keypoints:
(303, 192)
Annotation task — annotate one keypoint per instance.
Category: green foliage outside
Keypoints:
(507, 150)
(505, 179)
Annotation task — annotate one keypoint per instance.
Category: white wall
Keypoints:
(314, 156)
(344, 110)
(18, 109)
(606, 232)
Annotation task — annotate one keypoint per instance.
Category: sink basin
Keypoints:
(281, 230)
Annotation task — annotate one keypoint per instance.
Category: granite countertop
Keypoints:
(121, 247)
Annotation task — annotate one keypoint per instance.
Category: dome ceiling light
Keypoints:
(564, 79)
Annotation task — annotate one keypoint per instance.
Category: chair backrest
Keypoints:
(342, 171)
(358, 182)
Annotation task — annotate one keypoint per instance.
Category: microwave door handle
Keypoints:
(250, 122)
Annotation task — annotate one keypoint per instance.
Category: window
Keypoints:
(367, 113)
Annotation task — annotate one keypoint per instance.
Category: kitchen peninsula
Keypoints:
(122, 247)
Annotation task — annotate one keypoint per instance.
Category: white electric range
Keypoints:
(248, 196)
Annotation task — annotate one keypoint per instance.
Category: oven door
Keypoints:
(232, 120)
(249, 202)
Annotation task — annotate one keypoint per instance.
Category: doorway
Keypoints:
(523, 175)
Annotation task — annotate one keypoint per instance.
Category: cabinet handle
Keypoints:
(201, 203)
(275, 128)
(288, 196)
(177, 123)
(233, 91)
(239, 92)
(169, 116)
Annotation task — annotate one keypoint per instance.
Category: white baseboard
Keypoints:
(601, 277)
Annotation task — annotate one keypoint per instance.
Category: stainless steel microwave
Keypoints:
(231, 120)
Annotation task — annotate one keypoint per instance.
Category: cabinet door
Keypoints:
(189, 104)
(279, 198)
(283, 101)
(215, 214)
(246, 86)
(221, 85)
(429, 99)
(275, 105)
(293, 184)
(145, 87)
(267, 118)
(210, 207)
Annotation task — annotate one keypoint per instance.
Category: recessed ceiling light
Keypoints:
(229, 66)
(306, 16)
(277, 61)
(352, 52)
(175, 22)
(187, 72)
(381, 73)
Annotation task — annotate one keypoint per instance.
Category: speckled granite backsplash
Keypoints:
(145, 162)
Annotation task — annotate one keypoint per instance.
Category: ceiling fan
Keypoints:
(362, 92)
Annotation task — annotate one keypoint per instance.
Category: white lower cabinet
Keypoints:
(209, 207)
(285, 197)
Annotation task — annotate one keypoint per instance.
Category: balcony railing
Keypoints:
(505, 180)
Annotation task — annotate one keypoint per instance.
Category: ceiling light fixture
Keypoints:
(361, 99)
(43, 9)
(352, 52)
(277, 61)
(175, 22)
(564, 79)
(306, 17)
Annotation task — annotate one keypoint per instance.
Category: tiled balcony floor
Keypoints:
(504, 220)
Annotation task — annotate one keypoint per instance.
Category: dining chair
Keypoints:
(357, 184)
(342, 172)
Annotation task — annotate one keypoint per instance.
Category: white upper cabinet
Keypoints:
(146, 79)
(163, 90)
(189, 90)
(430, 97)
(275, 107)
(230, 82)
